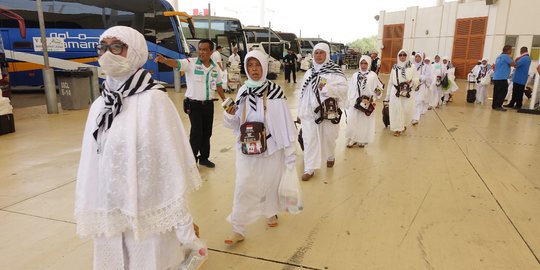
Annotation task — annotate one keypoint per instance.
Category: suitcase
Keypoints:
(471, 92)
(471, 95)
(7, 124)
(386, 116)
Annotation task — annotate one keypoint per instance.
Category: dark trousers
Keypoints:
(288, 70)
(201, 116)
(500, 89)
(517, 95)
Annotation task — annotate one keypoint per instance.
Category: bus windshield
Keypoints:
(225, 32)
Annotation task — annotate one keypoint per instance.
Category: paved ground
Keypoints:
(459, 191)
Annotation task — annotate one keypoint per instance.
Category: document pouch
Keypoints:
(253, 138)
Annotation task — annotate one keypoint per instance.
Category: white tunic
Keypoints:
(401, 108)
(360, 127)
(128, 196)
(320, 139)
(258, 176)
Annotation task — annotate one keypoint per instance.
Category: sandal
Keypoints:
(272, 221)
(351, 145)
(397, 133)
(307, 176)
(234, 238)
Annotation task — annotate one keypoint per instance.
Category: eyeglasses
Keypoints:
(115, 48)
(402, 55)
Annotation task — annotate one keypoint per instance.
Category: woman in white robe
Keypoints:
(452, 86)
(325, 80)
(423, 94)
(364, 83)
(438, 70)
(401, 108)
(258, 175)
(482, 75)
(136, 166)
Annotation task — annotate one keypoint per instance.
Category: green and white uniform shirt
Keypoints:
(202, 81)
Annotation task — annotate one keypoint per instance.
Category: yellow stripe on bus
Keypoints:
(26, 66)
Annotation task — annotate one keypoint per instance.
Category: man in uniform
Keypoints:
(203, 78)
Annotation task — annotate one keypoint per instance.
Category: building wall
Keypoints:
(431, 30)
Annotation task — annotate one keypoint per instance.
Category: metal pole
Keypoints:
(176, 81)
(269, 39)
(209, 23)
(94, 83)
(48, 73)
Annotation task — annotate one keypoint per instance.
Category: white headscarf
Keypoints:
(418, 65)
(137, 54)
(368, 61)
(321, 46)
(404, 63)
(263, 59)
(484, 59)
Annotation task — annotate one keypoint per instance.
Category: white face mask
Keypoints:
(115, 66)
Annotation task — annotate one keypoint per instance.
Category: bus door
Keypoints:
(230, 40)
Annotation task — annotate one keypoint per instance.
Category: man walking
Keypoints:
(521, 75)
(500, 78)
(203, 78)
(290, 66)
(375, 62)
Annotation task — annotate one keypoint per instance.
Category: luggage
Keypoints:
(7, 124)
(471, 92)
(386, 116)
(271, 76)
(471, 95)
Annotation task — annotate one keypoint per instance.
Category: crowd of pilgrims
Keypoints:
(416, 84)
(137, 166)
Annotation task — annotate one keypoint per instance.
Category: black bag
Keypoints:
(271, 76)
(253, 138)
(253, 134)
(186, 106)
(359, 105)
(386, 115)
(328, 109)
(403, 88)
(444, 82)
(471, 95)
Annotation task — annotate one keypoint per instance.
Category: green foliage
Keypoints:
(364, 44)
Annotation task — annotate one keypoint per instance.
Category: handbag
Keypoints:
(328, 109)
(186, 106)
(366, 109)
(403, 88)
(289, 192)
(253, 134)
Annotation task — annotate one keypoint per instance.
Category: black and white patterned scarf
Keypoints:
(251, 93)
(137, 83)
(329, 68)
(361, 82)
(401, 69)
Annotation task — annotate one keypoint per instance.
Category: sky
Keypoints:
(336, 20)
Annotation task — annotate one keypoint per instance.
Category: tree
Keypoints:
(364, 44)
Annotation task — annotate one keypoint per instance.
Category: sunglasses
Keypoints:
(115, 48)
(402, 55)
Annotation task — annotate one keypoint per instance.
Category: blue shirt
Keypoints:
(521, 74)
(502, 67)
